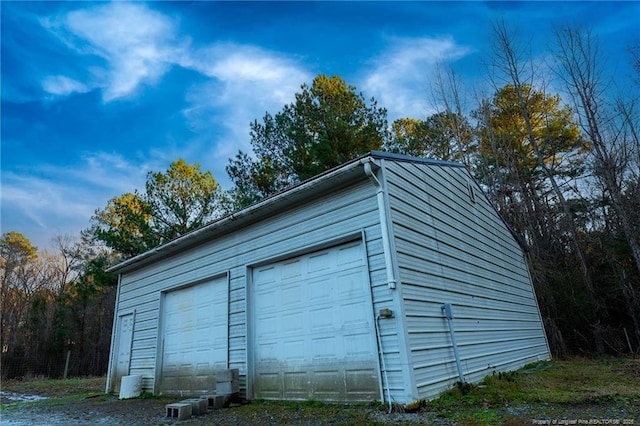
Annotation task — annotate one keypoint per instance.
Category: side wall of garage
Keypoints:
(346, 214)
(452, 247)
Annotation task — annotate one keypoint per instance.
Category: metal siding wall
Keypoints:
(346, 211)
(453, 250)
(384, 298)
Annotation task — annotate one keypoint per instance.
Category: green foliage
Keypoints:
(125, 225)
(464, 387)
(505, 146)
(15, 248)
(146, 395)
(174, 203)
(327, 125)
(443, 136)
(182, 199)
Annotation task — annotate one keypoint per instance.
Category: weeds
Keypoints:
(146, 395)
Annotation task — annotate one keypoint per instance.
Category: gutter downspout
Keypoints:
(448, 313)
(384, 368)
(384, 225)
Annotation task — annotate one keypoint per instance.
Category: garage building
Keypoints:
(388, 278)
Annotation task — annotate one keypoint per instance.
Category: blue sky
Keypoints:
(95, 95)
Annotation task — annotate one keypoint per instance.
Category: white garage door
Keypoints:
(194, 338)
(313, 328)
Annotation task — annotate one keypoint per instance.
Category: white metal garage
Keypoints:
(314, 331)
(195, 336)
(381, 243)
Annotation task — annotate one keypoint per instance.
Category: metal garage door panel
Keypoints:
(313, 330)
(195, 337)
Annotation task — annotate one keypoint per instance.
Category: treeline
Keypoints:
(562, 168)
(57, 308)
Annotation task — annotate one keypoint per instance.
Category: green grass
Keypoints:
(54, 387)
(556, 384)
(60, 392)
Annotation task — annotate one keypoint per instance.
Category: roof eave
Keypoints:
(348, 172)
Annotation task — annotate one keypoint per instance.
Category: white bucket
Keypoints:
(130, 386)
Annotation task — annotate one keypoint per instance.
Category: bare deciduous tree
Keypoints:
(580, 69)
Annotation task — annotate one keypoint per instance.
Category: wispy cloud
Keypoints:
(400, 74)
(137, 44)
(110, 173)
(61, 85)
(246, 81)
(40, 207)
(62, 199)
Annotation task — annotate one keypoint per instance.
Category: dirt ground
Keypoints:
(108, 410)
(83, 402)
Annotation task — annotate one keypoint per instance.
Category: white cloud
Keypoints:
(246, 81)
(111, 173)
(40, 207)
(140, 45)
(137, 43)
(400, 74)
(63, 86)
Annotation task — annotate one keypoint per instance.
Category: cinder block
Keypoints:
(214, 402)
(210, 400)
(227, 375)
(198, 406)
(218, 402)
(231, 398)
(227, 388)
(179, 410)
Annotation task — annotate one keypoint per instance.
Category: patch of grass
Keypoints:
(577, 381)
(572, 382)
(146, 395)
(483, 416)
(55, 387)
(288, 411)
(59, 392)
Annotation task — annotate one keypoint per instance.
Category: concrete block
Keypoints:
(179, 410)
(198, 406)
(210, 400)
(231, 399)
(219, 402)
(214, 402)
(227, 375)
(227, 388)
